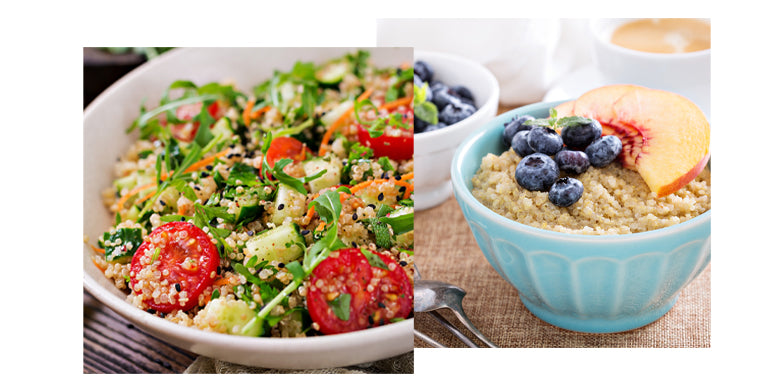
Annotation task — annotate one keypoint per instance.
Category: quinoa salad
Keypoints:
(283, 211)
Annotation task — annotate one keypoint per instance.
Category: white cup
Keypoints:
(687, 74)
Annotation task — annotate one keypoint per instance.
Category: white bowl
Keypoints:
(687, 74)
(433, 150)
(105, 121)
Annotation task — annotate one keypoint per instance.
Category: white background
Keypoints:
(42, 144)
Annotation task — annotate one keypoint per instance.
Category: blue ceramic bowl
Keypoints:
(594, 284)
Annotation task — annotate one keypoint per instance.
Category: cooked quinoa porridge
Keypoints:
(283, 211)
(615, 200)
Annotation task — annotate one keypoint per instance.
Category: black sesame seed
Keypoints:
(281, 206)
(304, 232)
(402, 263)
(204, 174)
(398, 198)
(354, 244)
(209, 167)
(382, 305)
(178, 287)
(373, 206)
(197, 188)
(381, 196)
(402, 189)
(354, 217)
(281, 265)
(182, 219)
(162, 202)
(371, 320)
(250, 233)
(397, 177)
(150, 311)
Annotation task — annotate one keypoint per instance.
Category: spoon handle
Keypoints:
(466, 322)
(453, 329)
(428, 340)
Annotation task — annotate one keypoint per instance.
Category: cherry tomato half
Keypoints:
(173, 266)
(396, 143)
(376, 295)
(285, 147)
(186, 131)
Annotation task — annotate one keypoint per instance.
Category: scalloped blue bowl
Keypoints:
(593, 284)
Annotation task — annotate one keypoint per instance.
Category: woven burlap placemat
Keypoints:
(446, 250)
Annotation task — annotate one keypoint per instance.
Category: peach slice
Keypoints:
(599, 104)
(565, 109)
(675, 132)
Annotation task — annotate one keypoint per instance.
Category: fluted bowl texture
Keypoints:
(593, 284)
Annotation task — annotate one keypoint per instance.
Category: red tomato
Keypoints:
(398, 146)
(186, 131)
(173, 266)
(285, 147)
(376, 295)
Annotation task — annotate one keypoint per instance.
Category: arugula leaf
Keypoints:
(294, 182)
(203, 136)
(400, 223)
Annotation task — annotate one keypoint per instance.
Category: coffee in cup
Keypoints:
(663, 35)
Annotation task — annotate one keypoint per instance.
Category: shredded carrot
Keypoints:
(341, 119)
(206, 161)
(365, 184)
(145, 198)
(96, 249)
(246, 115)
(100, 267)
(395, 103)
(407, 176)
(221, 282)
(320, 227)
(121, 202)
(192, 168)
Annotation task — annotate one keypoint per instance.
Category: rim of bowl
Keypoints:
(173, 330)
(596, 34)
(461, 191)
(490, 101)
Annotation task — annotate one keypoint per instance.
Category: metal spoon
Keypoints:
(430, 295)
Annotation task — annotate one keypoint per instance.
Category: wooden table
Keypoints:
(114, 345)
(446, 250)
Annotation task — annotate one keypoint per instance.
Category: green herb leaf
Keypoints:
(373, 259)
(340, 306)
(121, 245)
(400, 223)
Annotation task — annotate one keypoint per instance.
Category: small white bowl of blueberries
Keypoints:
(454, 97)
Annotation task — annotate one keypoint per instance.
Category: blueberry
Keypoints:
(572, 161)
(437, 126)
(442, 96)
(424, 71)
(565, 191)
(520, 143)
(420, 125)
(545, 140)
(463, 92)
(456, 112)
(580, 135)
(604, 150)
(536, 172)
(513, 126)
(418, 81)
